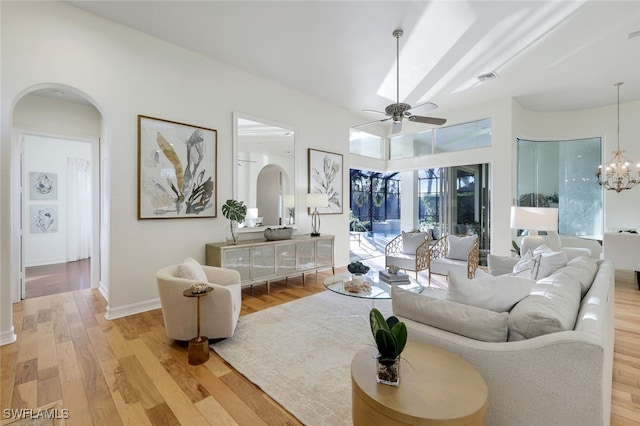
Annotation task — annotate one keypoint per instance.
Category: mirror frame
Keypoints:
(234, 156)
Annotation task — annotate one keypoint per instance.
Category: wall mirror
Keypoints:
(264, 170)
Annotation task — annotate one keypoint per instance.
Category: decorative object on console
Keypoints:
(325, 177)
(314, 201)
(235, 211)
(289, 203)
(617, 174)
(275, 234)
(390, 336)
(358, 268)
(176, 170)
(533, 219)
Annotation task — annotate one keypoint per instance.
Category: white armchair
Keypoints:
(623, 248)
(219, 311)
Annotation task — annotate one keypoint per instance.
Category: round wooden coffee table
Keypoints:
(436, 388)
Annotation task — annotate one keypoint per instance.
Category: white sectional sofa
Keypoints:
(554, 378)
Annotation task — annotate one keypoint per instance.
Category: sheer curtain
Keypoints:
(78, 209)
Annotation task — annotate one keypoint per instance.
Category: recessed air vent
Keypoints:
(488, 76)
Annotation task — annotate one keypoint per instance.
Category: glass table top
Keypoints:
(378, 289)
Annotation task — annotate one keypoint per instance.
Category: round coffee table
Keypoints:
(379, 289)
(436, 388)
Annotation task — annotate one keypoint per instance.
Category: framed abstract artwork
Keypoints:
(325, 177)
(43, 186)
(44, 219)
(177, 166)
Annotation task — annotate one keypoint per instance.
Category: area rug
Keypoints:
(300, 353)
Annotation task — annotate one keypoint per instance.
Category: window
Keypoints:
(476, 134)
(375, 198)
(561, 174)
(366, 144)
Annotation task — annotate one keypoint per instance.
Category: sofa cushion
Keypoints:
(497, 294)
(411, 241)
(191, 269)
(551, 306)
(469, 321)
(584, 270)
(459, 247)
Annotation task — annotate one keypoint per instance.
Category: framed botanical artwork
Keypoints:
(177, 166)
(43, 186)
(325, 177)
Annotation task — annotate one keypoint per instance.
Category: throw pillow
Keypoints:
(550, 261)
(459, 247)
(500, 265)
(540, 263)
(497, 294)
(468, 321)
(191, 269)
(411, 241)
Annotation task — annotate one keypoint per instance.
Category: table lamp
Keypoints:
(314, 201)
(533, 219)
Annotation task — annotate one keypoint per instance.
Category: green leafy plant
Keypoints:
(516, 248)
(234, 210)
(390, 336)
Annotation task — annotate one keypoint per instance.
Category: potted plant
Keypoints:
(390, 336)
(235, 211)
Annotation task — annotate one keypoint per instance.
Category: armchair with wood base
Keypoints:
(452, 252)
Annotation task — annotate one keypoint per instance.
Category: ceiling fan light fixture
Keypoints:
(488, 76)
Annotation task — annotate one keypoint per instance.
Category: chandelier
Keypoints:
(617, 174)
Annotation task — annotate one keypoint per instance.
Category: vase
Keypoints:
(232, 232)
(388, 373)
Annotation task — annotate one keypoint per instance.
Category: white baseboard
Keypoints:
(41, 262)
(8, 337)
(134, 308)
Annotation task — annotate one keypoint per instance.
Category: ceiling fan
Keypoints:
(400, 110)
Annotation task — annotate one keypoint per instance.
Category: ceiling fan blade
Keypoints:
(374, 111)
(425, 106)
(371, 122)
(428, 120)
(397, 126)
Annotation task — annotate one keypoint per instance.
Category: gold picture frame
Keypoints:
(177, 170)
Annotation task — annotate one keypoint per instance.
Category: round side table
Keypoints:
(198, 346)
(436, 388)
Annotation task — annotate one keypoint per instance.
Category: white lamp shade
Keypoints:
(289, 201)
(252, 213)
(534, 218)
(317, 200)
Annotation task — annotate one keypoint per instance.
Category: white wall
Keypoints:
(49, 155)
(127, 73)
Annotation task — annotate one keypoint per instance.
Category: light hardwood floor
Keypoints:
(126, 371)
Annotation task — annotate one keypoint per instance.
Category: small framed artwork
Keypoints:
(43, 186)
(44, 219)
(325, 177)
(177, 167)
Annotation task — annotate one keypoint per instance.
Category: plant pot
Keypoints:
(232, 232)
(388, 374)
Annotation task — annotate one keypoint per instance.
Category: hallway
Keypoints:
(57, 278)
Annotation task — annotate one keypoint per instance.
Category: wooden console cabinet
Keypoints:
(260, 261)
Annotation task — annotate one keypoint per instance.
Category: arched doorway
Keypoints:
(55, 117)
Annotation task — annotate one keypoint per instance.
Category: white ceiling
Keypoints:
(549, 55)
